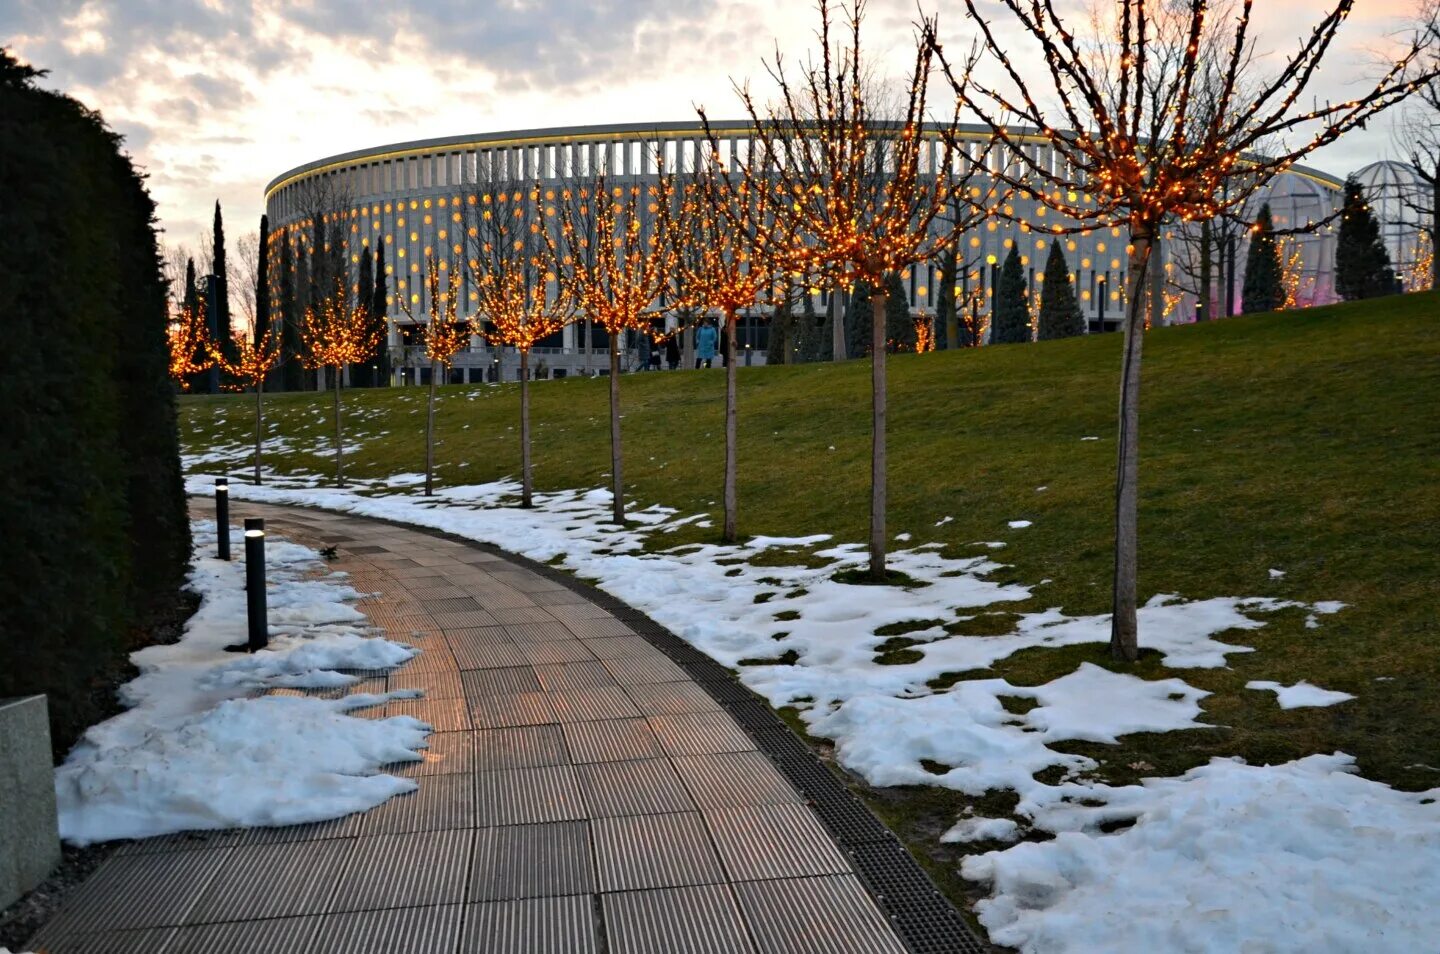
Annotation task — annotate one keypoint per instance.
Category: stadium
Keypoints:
(412, 198)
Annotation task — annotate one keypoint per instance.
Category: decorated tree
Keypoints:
(742, 247)
(1264, 281)
(189, 341)
(248, 367)
(1011, 322)
(614, 259)
(1060, 315)
(1418, 138)
(820, 148)
(446, 335)
(517, 288)
(1136, 144)
(337, 332)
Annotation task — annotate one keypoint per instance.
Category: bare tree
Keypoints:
(1126, 135)
(859, 198)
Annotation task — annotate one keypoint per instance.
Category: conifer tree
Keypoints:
(825, 347)
(947, 321)
(262, 284)
(858, 321)
(1011, 322)
(1060, 315)
(807, 337)
(218, 268)
(1362, 264)
(362, 374)
(292, 372)
(900, 335)
(191, 298)
(379, 308)
(780, 347)
(1263, 290)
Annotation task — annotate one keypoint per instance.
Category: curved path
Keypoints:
(594, 786)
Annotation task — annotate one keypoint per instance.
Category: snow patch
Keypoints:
(1301, 695)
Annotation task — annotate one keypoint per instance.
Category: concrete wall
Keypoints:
(29, 842)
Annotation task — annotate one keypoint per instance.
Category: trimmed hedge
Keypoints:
(92, 504)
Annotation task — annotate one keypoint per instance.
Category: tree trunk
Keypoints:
(617, 503)
(339, 441)
(1124, 630)
(526, 487)
(948, 306)
(687, 337)
(259, 422)
(430, 430)
(877, 436)
(1202, 297)
(729, 533)
(838, 336)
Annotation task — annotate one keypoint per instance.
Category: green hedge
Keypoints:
(92, 507)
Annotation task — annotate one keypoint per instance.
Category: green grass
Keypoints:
(1308, 441)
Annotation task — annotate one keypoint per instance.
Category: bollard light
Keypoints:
(222, 517)
(255, 583)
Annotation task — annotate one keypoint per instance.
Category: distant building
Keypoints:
(415, 196)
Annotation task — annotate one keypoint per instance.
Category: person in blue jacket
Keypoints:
(705, 338)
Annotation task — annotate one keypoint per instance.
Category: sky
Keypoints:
(215, 98)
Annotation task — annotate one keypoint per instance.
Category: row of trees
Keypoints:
(827, 194)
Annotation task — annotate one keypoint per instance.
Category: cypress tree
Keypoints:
(947, 324)
(777, 349)
(362, 374)
(900, 334)
(807, 338)
(192, 293)
(858, 321)
(1010, 322)
(292, 374)
(1362, 263)
(262, 282)
(1060, 315)
(1263, 290)
(378, 307)
(825, 346)
(222, 287)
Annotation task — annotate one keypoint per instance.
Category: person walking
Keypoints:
(705, 340)
(672, 350)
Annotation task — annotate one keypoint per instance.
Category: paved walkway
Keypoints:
(582, 793)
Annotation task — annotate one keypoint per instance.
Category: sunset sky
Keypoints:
(216, 98)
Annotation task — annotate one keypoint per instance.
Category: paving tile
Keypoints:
(436, 659)
(672, 698)
(699, 733)
(586, 674)
(734, 778)
(511, 709)
(645, 787)
(144, 941)
(830, 915)
(490, 656)
(499, 682)
(653, 851)
(181, 841)
(528, 796)
(345, 827)
(442, 715)
(583, 705)
(773, 841)
(409, 870)
(599, 627)
(426, 930)
(630, 670)
(611, 740)
(137, 891)
(530, 746)
(529, 861)
(435, 685)
(448, 753)
(520, 614)
(272, 881)
(614, 647)
(557, 651)
(538, 632)
(244, 937)
(443, 801)
(703, 919)
(533, 926)
(575, 611)
(463, 619)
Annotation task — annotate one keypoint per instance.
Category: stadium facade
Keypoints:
(414, 198)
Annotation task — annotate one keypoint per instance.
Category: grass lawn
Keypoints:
(1307, 442)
